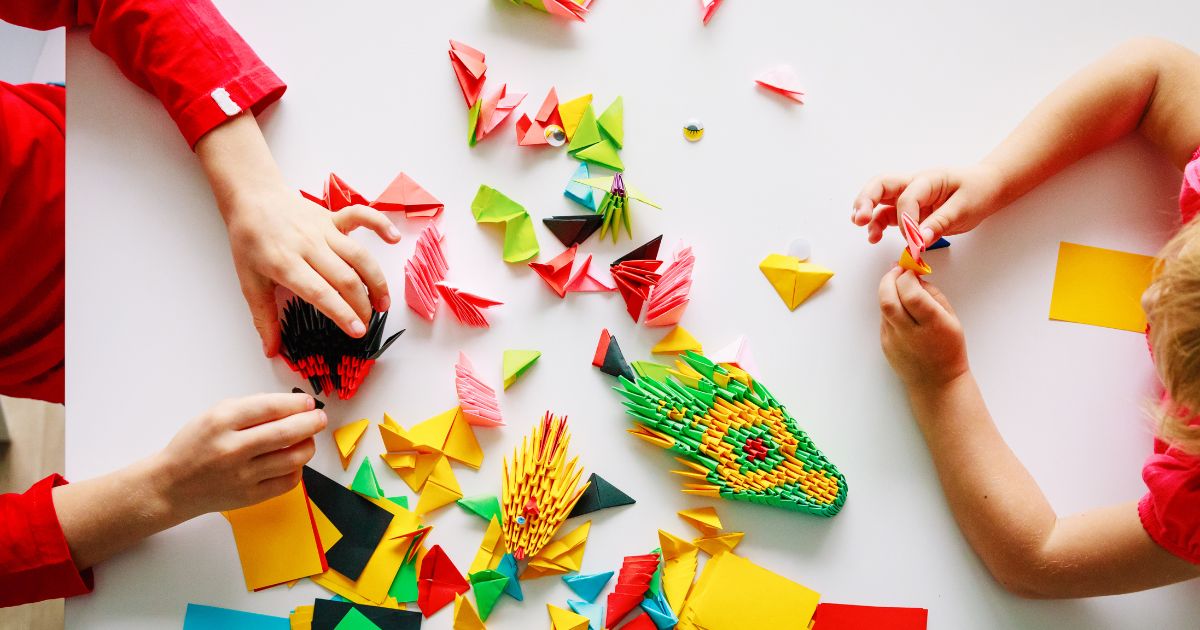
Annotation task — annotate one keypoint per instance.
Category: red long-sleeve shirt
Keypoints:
(189, 57)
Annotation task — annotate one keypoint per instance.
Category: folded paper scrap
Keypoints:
(331, 360)
(404, 194)
(735, 439)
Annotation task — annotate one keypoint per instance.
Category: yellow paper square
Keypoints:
(275, 539)
(734, 593)
(1101, 287)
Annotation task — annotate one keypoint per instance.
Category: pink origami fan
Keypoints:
(495, 109)
(469, 68)
(782, 79)
(467, 307)
(425, 268)
(476, 398)
(669, 297)
(912, 236)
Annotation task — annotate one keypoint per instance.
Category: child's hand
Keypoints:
(920, 334)
(945, 201)
(240, 452)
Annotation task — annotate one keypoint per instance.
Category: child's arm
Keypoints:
(1148, 85)
(997, 504)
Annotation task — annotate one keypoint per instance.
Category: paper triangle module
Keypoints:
(337, 194)
(407, 196)
(609, 358)
(469, 69)
(476, 398)
(633, 581)
(594, 612)
(921, 268)
(587, 131)
(508, 567)
(564, 555)
(332, 361)
(588, 585)
(488, 585)
(491, 550)
(680, 559)
(782, 79)
(600, 494)
(439, 581)
(793, 280)
(467, 307)
(571, 230)
(587, 196)
(494, 109)
(603, 153)
(365, 481)
(737, 354)
(584, 281)
(562, 619)
(347, 438)
(704, 519)
(569, 9)
(677, 341)
(571, 112)
(441, 488)
(515, 363)
(486, 507)
(465, 617)
(557, 271)
(612, 122)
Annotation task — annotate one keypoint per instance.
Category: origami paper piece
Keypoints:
(469, 67)
(720, 543)
(473, 122)
(404, 586)
(614, 206)
(441, 489)
(584, 195)
(1100, 287)
(734, 593)
(355, 620)
(603, 153)
(336, 195)
(635, 274)
(640, 622)
(584, 281)
(693, 130)
(557, 271)
(704, 519)
(439, 581)
(594, 612)
(736, 354)
(612, 121)
(508, 567)
(676, 341)
(529, 133)
(600, 495)
(491, 549)
(569, 9)
(201, 617)
(793, 280)
(406, 195)
(650, 369)
(735, 439)
(465, 617)
(921, 268)
(850, 617)
(467, 307)
(515, 363)
(938, 244)
(571, 230)
(277, 540)
(486, 507)
(316, 401)
(545, 128)
(488, 586)
(548, 112)
(632, 582)
(645, 251)
(494, 109)
(425, 268)
(782, 80)
(587, 132)
(476, 399)
(561, 619)
(540, 487)
(660, 611)
(709, 7)
(301, 617)
(609, 358)
(669, 296)
(563, 555)
(360, 522)
(365, 481)
(588, 585)
(914, 242)
(491, 206)
(571, 112)
(374, 583)
(347, 437)
(331, 360)
(680, 559)
(448, 432)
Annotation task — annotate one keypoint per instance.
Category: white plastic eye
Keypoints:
(800, 248)
(693, 130)
(555, 136)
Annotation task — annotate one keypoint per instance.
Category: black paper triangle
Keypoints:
(327, 614)
(599, 495)
(573, 229)
(649, 251)
(614, 362)
(361, 523)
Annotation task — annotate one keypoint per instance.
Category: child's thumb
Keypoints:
(940, 221)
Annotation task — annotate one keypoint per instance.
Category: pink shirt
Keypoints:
(1170, 511)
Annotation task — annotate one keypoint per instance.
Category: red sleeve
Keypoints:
(35, 563)
(182, 51)
(1170, 511)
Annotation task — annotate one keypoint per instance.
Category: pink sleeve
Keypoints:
(1170, 511)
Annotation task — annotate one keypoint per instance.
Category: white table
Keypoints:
(158, 330)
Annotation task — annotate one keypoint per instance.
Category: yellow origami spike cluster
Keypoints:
(540, 487)
(421, 455)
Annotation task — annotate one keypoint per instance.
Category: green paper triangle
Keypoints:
(365, 481)
(587, 133)
(515, 364)
(656, 579)
(488, 586)
(355, 620)
(473, 122)
(486, 507)
(520, 240)
(612, 122)
(404, 586)
(401, 501)
(603, 153)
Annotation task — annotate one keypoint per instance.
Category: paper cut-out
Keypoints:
(669, 296)
(571, 230)
(851, 617)
(1101, 287)
(347, 438)
(508, 567)
(735, 439)
(709, 7)
(782, 80)
(425, 268)
(793, 280)
(406, 195)
(365, 481)
(561, 619)
(594, 612)
(488, 586)
(360, 522)
(600, 495)
(374, 583)
(328, 613)
(676, 341)
(588, 585)
(277, 540)
(476, 398)
(633, 580)
(469, 67)
(491, 206)
(680, 559)
(439, 581)
(734, 593)
(540, 487)
(515, 363)
(486, 507)
(467, 307)
(609, 358)
(331, 360)
(584, 195)
(571, 112)
(563, 555)
(201, 617)
(465, 617)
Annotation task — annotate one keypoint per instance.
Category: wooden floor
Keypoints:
(37, 433)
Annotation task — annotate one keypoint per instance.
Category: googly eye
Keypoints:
(693, 130)
(521, 520)
(800, 248)
(555, 136)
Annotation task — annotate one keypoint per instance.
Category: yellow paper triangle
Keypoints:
(461, 445)
(400, 461)
(563, 555)
(432, 433)
(465, 617)
(571, 113)
(793, 280)
(561, 619)
(441, 489)
(395, 438)
(388, 421)
(704, 519)
(906, 262)
(680, 559)
(418, 475)
(491, 550)
(676, 341)
(326, 530)
(347, 438)
(721, 543)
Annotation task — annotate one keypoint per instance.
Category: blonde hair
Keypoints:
(1175, 338)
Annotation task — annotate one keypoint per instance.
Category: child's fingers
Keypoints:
(260, 296)
(942, 220)
(274, 487)
(305, 282)
(884, 216)
(351, 218)
(365, 266)
(248, 411)
(940, 297)
(917, 195)
(889, 300)
(284, 461)
(339, 274)
(883, 189)
(919, 304)
(282, 433)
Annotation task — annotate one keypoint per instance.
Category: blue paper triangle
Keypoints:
(660, 611)
(594, 612)
(508, 567)
(938, 244)
(582, 194)
(589, 585)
